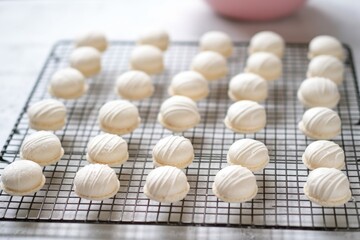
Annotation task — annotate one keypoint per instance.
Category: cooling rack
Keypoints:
(280, 202)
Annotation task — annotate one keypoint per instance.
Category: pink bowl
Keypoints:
(256, 9)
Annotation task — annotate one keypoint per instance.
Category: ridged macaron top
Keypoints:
(323, 153)
(326, 66)
(48, 114)
(156, 37)
(94, 38)
(189, 84)
(320, 123)
(245, 117)
(174, 151)
(248, 153)
(218, 42)
(42, 147)
(68, 83)
(267, 41)
(147, 58)
(179, 113)
(235, 184)
(248, 86)
(119, 117)
(318, 92)
(134, 85)
(264, 64)
(166, 184)
(327, 187)
(107, 149)
(22, 177)
(87, 60)
(326, 45)
(211, 65)
(96, 182)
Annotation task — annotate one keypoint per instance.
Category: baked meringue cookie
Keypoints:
(235, 184)
(190, 84)
(326, 66)
(248, 86)
(320, 123)
(95, 39)
(328, 187)
(211, 65)
(47, 114)
(68, 83)
(264, 64)
(96, 182)
(87, 60)
(22, 177)
(248, 153)
(179, 113)
(245, 117)
(318, 92)
(267, 41)
(326, 45)
(107, 149)
(134, 85)
(148, 59)
(156, 37)
(166, 184)
(175, 151)
(119, 117)
(42, 147)
(218, 42)
(323, 153)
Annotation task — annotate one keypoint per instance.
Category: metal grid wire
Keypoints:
(280, 202)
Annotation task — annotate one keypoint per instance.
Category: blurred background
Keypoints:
(29, 28)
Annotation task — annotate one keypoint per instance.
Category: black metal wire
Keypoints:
(280, 202)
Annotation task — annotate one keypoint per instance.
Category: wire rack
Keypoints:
(280, 202)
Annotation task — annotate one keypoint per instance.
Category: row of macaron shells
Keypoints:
(325, 71)
(312, 70)
(244, 86)
(176, 150)
(45, 148)
(190, 119)
(326, 185)
(93, 144)
(56, 79)
(236, 182)
(23, 177)
(229, 92)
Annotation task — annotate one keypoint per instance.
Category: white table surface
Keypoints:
(28, 29)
